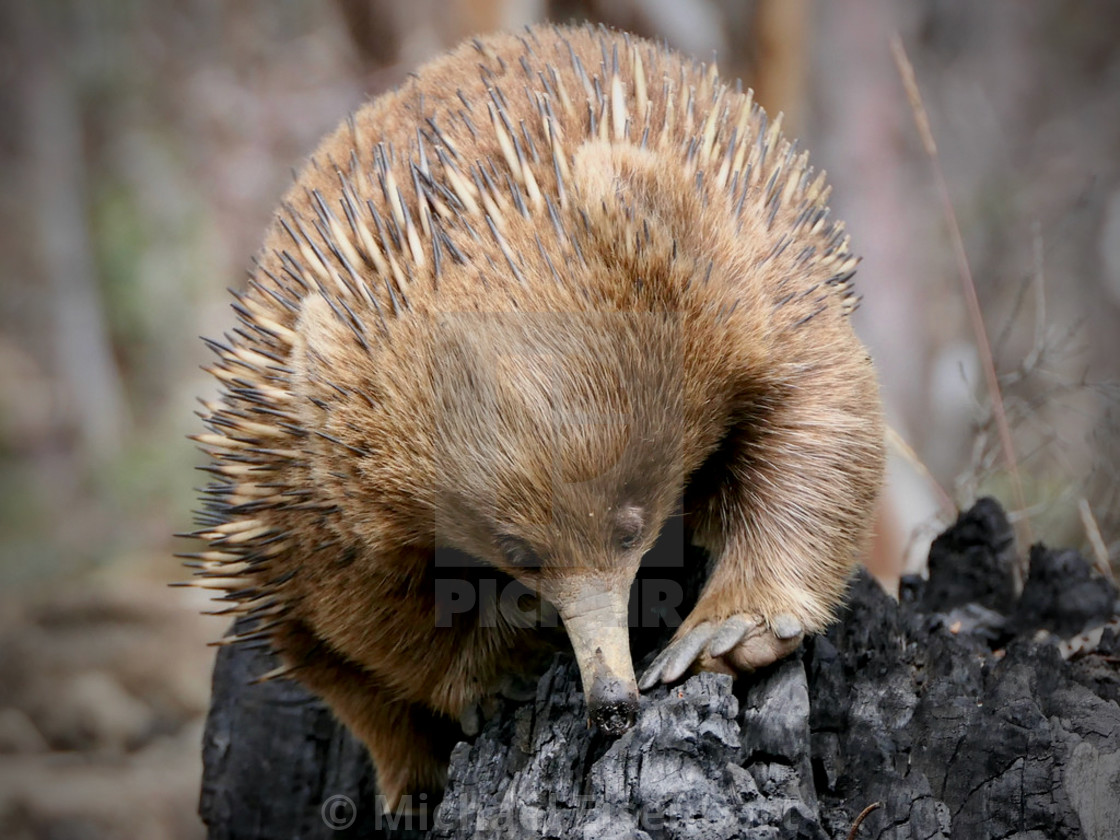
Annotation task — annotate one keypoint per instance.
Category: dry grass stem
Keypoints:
(921, 118)
(899, 446)
(1096, 541)
(862, 816)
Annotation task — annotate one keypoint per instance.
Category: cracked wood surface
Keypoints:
(953, 707)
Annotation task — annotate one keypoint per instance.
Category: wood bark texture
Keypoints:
(964, 709)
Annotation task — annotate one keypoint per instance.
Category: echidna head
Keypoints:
(558, 442)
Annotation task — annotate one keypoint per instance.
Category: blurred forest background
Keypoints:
(144, 145)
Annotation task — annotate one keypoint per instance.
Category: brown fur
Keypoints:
(588, 228)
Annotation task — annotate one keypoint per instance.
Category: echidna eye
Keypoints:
(518, 553)
(629, 522)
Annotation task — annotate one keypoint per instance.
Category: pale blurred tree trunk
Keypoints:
(862, 119)
(782, 35)
(374, 30)
(92, 394)
(391, 34)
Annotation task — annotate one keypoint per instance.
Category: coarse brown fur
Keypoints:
(516, 311)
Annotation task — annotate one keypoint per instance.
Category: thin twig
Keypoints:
(862, 816)
(921, 118)
(1093, 533)
(899, 444)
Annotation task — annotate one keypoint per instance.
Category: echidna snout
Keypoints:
(595, 618)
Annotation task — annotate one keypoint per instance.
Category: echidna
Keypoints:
(508, 319)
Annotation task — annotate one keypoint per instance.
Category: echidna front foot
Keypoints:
(740, 643)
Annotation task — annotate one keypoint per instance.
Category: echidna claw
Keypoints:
(786, 626)
(741, 643)
(729, 634)
(470, 719)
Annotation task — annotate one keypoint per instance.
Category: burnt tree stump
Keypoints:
(964, 710)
